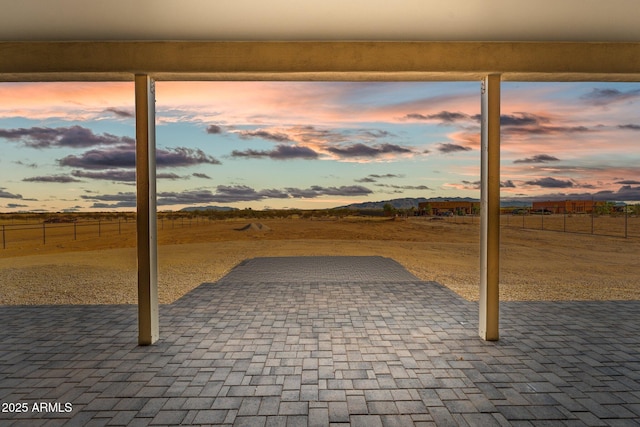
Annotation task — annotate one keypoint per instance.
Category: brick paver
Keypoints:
(318, 341)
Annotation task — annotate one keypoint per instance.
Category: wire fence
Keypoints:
(615, 225)
(46, 233)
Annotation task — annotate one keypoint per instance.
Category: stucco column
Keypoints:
(147, 230)
(490, 209)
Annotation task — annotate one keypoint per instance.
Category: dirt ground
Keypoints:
(534, 264)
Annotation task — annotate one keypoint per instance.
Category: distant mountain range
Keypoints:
(404, 203)
(409, 202)
(208, 208)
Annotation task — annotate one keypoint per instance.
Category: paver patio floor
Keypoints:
(322, 341)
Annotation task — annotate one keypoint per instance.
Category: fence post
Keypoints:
(4, 242)
(75, 233)
(119, 228)
(98, 228)
(44, 234)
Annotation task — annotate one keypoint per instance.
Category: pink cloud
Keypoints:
(299, 102)
(66, 100)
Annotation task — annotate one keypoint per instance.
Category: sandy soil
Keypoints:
(535, 265)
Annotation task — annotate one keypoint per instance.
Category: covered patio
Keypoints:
(317, 351)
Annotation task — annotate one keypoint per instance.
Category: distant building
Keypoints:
(566, 206)
(456, 208)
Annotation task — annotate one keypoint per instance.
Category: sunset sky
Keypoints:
(70, 146)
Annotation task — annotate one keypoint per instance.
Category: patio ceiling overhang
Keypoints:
(323, 60)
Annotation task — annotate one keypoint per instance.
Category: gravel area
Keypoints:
(535, 265)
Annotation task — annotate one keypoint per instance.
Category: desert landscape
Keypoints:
(535, 264)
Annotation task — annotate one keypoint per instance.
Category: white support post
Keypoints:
(490, 209)
(147, 237)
